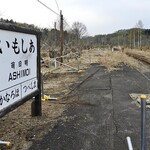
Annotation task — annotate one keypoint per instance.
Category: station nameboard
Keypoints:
(18, 67)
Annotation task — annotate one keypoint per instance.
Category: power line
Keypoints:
(59, 11)
(68, 24)
(54, 11)
(48, 7)
(57, 6)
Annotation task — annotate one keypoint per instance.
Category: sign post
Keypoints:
(20, 78)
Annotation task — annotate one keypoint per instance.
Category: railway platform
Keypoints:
(103, 113)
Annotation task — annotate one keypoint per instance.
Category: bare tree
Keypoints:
(139, 26)
(65, 24)
(79, 29)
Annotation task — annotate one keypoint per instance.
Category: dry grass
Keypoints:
(113, 61)
(140, 55)
(140, 52)
(21, 129)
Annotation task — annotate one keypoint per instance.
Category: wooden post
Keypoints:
(61, 36)
(36, 108)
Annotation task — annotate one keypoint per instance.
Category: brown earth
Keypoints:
(21, 129)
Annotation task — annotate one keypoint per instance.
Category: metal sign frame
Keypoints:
(36, 106)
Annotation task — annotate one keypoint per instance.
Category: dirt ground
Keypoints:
(21, 129)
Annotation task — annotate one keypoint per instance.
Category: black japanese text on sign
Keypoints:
(18, 64)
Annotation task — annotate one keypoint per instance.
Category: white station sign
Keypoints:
(18, 66)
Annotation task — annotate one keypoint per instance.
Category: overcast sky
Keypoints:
(99, 16)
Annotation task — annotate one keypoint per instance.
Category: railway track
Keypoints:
(142, 58)
(139, 56)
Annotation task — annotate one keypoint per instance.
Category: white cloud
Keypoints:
(100, 16)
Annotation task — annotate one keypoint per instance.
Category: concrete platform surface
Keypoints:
(104, 114)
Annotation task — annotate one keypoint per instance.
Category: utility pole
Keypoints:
(61, 36)
(118, 40)
(55, 33)
(134, 37)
